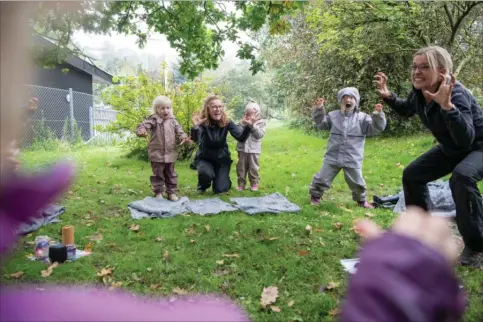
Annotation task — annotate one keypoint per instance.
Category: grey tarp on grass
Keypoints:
(152, 208)
(49, 216)
(274, 203)
(440, 202)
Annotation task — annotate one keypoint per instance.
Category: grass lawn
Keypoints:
(273, 250)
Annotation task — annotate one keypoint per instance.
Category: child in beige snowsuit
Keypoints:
(249, 151)
(162, 146)
(348, 130)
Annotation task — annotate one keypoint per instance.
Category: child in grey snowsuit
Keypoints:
(348, 130)
(250, 150)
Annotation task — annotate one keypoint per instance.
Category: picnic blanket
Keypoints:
(274, 203)
(49, 216)
(440, 200)
(153, 208)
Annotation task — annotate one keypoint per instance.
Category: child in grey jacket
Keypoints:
(249, 151)
(348, 130)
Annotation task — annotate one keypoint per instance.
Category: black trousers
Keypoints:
(217, 173)
(466, 171)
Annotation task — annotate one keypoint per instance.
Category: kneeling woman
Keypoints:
(210, 131)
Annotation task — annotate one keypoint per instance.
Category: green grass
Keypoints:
(296, 263)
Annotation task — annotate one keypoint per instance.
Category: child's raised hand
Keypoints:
(142, 132)
(197, 120)
(319, 103)
(378, 108)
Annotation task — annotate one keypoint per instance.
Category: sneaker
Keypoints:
(173, 197)
(470, 257)
(201, 191)
(240, 188)
(314, 201)
(159, 196)
(365, 204)
(254, 187)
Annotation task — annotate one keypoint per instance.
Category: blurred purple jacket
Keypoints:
(398, 279)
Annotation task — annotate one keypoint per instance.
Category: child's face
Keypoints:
(164, 111)
(348, 102)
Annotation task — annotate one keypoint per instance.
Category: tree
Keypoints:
(195, 29)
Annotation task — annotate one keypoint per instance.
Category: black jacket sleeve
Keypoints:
(196, 134)
(239, 132)
(403, 107)
(459, 119)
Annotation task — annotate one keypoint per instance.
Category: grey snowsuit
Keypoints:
(345, 149)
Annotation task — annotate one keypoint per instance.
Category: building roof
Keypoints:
(98, 75)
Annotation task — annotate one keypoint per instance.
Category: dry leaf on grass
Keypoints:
(318, 230)
(208, 228)
(190, 231)
(179, 291)
(321, 242)
(337, 225)
(49, 270)
(17, 275)
(220, 262)
(96, 237)
(370, 215)
(154, 286)
(332, 285)
(135, 277)
(166, 256)
(106, 271)
(88, 248)
(272, 238)
(149, 269)
(192, 241)
(324, 213)
(159, 239)
(231, 255)
(304, 253)
(291, 303)
(134, 228)
(308, 229)
(381, 185)
(269, 295)
(115, 285)
(275, 308)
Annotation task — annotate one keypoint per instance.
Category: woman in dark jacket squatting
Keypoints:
(210, 131)
(454, 117)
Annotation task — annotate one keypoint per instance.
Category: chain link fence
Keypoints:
(69, 116)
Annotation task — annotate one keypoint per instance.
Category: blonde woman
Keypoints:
(210, 131)
(454, 117)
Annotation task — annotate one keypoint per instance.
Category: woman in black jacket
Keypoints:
(454, 117)
(210, 131)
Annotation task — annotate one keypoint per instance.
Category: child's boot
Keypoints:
(159, 196)
(314, 201)
(173, 197)
(365, 204)
(254, 187)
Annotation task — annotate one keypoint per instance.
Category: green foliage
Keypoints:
(71, 135)
(133, 98)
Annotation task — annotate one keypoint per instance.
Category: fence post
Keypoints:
(91, 122)
(71, 106)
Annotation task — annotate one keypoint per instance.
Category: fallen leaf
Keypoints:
(334, 312)
(308, 229)
(381, 185)
(17, 275)
(179, 291)
(318, 230)
(344, 208)
(159, 239)
(149, 269)
(332, 285)
(287, 189)
(135, 277)
(337, 225)
(153, 286)
(321, 242)
(324, 213)
(370, 215)
(272, 238)
(275, 308)
(106, 271)
(220, 262)
(207, 227)
(49, 270)
(166, 256)
(291, 303)
(192, 241)
(304, 253)
(218, 272)
(190, 231)
(88, 248)
(134, 227)
(232, 255)
(108, 163)
(269, 295)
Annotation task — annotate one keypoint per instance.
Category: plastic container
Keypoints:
(42, 245)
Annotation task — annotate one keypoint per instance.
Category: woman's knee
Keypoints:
(410, 173)
(461, 177)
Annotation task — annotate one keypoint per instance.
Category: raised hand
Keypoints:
(142, 132)
(381, 85)
(378, 108)
(186, 140)
(319, 103)
(250, 120)
(443, 95)
(197, 119)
